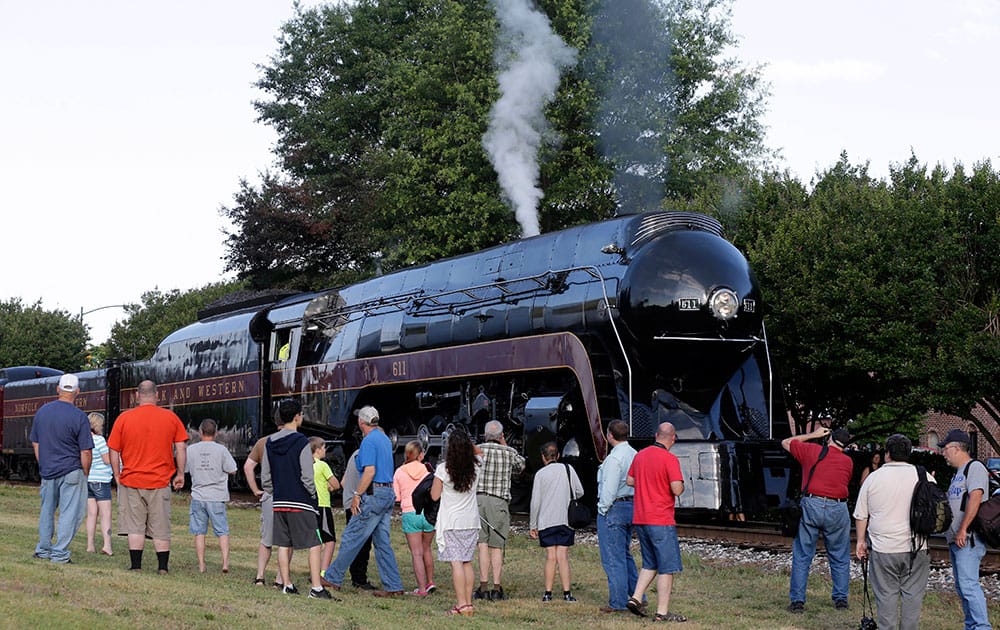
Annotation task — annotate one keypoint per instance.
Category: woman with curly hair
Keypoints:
(455, 483)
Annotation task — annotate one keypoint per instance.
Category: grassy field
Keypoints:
(98, 592)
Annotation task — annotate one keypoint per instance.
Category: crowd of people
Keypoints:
(463, 506)
(897, 558)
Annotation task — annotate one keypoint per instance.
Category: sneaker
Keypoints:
(797, 607)
(568, 597)
(289, 589)
(320, 594)
(841, 604)
(497, 595)
(547, 597)
(431, 587)
(417, 593)
(480, 594)
(366, 586)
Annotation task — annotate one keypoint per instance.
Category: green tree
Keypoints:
(881, 292)
(965, 365)
(381, 105)
(147, 324)
(31, 335)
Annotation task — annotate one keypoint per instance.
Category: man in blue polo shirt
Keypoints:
(60, 435)
(372, 506)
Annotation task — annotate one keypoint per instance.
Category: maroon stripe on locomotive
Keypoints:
(505, 356)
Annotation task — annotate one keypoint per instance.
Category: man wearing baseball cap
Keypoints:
(968, 489)
(826, 471)
(371, 506)
(60, 435)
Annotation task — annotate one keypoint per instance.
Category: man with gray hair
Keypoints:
(371, 506)
(882, 515)
(500, 462)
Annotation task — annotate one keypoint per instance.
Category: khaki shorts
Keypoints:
(143, 512)
(495, 512)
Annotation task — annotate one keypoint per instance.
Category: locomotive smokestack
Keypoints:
(529, 58)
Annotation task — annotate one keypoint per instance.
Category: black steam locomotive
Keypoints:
(645, 318)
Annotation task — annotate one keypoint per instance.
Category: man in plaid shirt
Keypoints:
(500, 462)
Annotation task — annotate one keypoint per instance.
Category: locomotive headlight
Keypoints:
(724, 304)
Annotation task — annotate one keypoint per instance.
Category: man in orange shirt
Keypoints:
(148, 447)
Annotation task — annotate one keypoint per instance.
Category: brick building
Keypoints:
(937, 426)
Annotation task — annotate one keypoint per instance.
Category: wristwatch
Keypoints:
(357, 494)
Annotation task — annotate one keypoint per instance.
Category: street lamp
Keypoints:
(100, 308)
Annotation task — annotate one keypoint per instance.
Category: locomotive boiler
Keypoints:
(644, 318)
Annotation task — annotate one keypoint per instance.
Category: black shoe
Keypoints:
(290, 590)
(36, 556)
(367, 586)
(547, 597)
(497, 595)
(320, 594)
(480, 594)
(841, 604)
(568, 597)
(797, 607)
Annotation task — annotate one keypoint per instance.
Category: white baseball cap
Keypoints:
(68, 383)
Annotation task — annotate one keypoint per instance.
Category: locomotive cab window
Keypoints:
(284, 344)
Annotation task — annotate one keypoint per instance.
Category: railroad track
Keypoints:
(765, 537)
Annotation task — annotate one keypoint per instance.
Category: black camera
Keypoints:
(867, 623)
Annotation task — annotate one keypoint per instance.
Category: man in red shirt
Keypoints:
(824, 511)
(148, 446)
(656, 476)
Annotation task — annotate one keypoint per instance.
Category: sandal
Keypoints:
(670, 616)
(258, 582)
(466, 611)
(635, 607)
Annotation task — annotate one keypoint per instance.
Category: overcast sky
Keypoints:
(126, 124)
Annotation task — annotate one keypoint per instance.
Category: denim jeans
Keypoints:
(68, 494)
(831, 519)
(372, 520)
(965, 568)
(614, 535)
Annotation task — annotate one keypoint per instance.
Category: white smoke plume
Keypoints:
(530, 58)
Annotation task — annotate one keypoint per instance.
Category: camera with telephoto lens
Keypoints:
(867, 623)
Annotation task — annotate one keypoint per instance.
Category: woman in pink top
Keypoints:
(419, 533)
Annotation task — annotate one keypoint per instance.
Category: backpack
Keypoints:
(930, 512)
(986, 525)
(422, 501)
